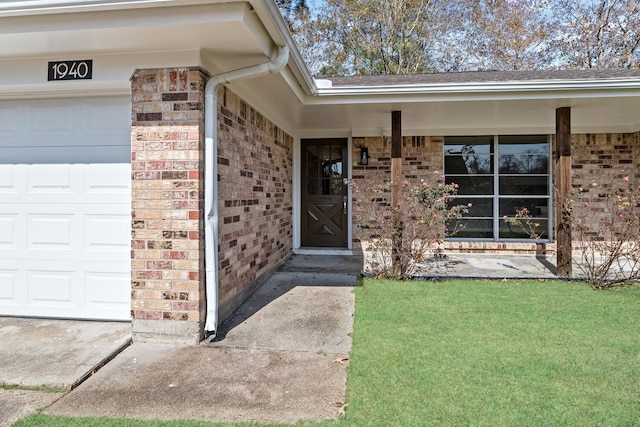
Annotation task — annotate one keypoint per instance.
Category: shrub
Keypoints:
(608, 240)
(605, 227)
(400, 237)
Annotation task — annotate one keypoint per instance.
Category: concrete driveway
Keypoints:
(42, 359)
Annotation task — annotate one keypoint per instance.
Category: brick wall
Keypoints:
(167, 201)
(255, 202)
(255, 167)
(422, 158)
(603, 160)
(600, 158)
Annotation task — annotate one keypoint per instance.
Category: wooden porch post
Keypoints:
(396, 190)
(563, 179)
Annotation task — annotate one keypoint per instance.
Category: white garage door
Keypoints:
(65, 209)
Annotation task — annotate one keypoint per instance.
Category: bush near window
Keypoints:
(412, 230)
(605, 232)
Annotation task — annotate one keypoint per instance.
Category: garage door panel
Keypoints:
(8, 121)
(65, 131)
(105, 233)
(65, 215)
(107, 290)
(98, 290)
(8, 231)
(51, 179)
(108, 179)
(61, 155)
(9, 182)
(9, 290)
(65, 232)
(50, 231)
(104, 183)
(104, 118)
(52, 287)
(49, 117)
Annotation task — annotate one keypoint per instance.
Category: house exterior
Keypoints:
(159, 159)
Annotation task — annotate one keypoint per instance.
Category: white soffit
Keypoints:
(230, 31)
(473, 117)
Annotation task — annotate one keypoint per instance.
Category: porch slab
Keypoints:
(488, 266)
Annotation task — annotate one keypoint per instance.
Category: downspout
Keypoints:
(211, 176)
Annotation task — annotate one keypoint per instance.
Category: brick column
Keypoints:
(167, 160)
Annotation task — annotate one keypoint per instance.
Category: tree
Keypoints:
(293, 10)
(368, 37)
(375, 36)
(502, 34)
(599, 33)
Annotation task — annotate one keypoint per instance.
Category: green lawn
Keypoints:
(493, 353)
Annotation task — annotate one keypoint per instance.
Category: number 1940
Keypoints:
(71, 70)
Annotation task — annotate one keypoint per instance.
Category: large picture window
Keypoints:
(499, 175)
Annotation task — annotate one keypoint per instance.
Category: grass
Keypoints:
(495, 353)
(484, 353)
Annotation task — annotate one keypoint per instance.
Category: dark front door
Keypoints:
(324, 192)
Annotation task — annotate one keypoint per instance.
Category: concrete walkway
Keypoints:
(281, 358)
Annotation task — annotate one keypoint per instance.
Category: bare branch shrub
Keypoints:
(606, 232)
(605, 222)
(413, 229)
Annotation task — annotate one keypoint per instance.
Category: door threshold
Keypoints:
(322, 251)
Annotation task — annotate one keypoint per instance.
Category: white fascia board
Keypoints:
(40, 7)
(122, 18)
(275, 24)
(478, 91)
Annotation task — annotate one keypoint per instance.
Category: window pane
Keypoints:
(517, 164)
(523, 144)
(336, 187)
(472, 184)
(468, 144)
(472, 228)
(512, 231)
(325, 186)
(468, 164)
(538, 208)
(481, 207)
(524, 185)
(331, 156)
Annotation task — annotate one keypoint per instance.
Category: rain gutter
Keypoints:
(583, 87)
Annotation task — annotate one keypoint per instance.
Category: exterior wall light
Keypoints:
(364, 155)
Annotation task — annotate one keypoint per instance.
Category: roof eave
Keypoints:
(282, 35)
(45, 7)
(492, 89)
